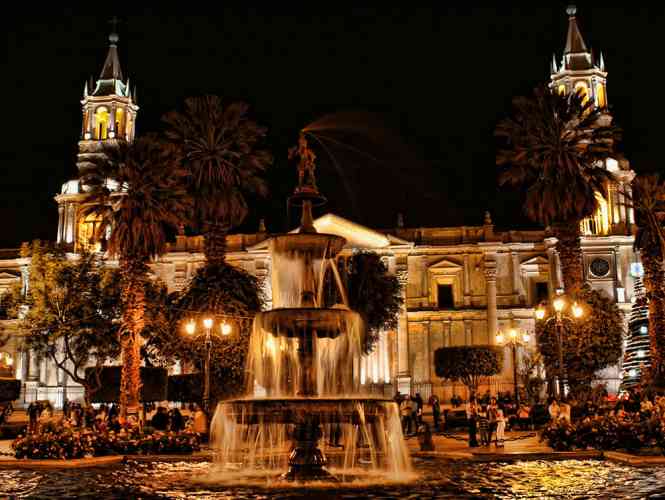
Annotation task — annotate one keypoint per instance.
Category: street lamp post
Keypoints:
(191, 330)
(513, 341)
(559, 305)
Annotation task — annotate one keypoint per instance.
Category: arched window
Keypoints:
(584, 89)
(120, 123)
(101, 123)
(601, 100)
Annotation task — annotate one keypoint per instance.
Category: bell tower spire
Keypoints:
(579, 71)
(108, 115)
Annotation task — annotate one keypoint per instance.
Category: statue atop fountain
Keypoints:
(303, 369)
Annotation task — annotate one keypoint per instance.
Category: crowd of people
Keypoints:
(107, 418)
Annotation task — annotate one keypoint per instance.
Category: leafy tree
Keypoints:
(137, 191)
(70, 312)
(589, 344)
(554, 146)
(649, 202)
(529, 375)
(372, 292)
(228, 292)
(467, 364)
(220, 147)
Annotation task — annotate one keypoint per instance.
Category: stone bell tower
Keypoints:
(108, 115)
(580, 70)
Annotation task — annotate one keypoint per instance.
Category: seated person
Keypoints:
(160, 420)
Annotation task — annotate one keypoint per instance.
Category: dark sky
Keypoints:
(436, 82)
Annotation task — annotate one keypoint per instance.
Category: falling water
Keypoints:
(304, 410)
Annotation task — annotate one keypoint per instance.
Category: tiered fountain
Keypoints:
(304, 417)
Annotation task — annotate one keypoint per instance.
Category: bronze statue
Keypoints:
(306, 178)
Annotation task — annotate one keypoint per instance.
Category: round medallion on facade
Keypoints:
(599, 267)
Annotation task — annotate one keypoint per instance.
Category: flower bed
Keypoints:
(606, 433)
(64, 443)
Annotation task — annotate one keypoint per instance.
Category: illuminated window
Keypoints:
(582, 87)
(101, 123)
(600, 95)
(562, 89)
(87, 234)
(120, 123)
(599, 223)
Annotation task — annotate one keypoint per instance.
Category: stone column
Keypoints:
(468, 332)
(111, 127)
(490, 276)
(467, 280)
(403, 372)
(61, 220)
(517, 278)
(24, 365)
(33, 367)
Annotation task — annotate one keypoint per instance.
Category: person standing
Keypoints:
(471, 417)
(484, 426)
(500, 427)
(436, 411)
(492, 418)
(405, 413)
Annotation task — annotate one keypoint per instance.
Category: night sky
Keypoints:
(421, 90)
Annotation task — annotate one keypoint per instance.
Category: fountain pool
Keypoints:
(435, 478)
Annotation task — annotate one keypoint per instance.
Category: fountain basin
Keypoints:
(293, 321)
(294, 410)
(314, 245)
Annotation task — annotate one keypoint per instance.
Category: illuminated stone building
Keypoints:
(461, 285)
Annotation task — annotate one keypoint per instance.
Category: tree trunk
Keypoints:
(133, 322)
(570, 255)
(654, 283)
(215, 244)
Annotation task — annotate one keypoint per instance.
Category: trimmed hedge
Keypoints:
(153, 384)
(10, 389)
(186, 388)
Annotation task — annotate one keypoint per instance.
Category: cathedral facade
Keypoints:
(461, 285)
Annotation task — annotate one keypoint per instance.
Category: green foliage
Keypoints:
(553, 146)
(138, 191)
(590, 343)
(153, 384)
(606, 433)
(529, 377)
(70, 311)
(467, 364)
(214, 290)
(62, 443)
(373, 293)
(221, 149)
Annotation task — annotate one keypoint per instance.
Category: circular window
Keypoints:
(600, 268)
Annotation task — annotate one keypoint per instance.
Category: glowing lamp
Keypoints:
(207, 323)
(540, 313)
(190, 327)
(9, 360)
(226, 329)
(526, 337)
(513, 334)
(559, 304)
(499, 338)
(577, 310)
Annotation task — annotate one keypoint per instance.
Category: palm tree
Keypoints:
(136, 191)
(554, 146)
(648, 199)
(221, 149)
